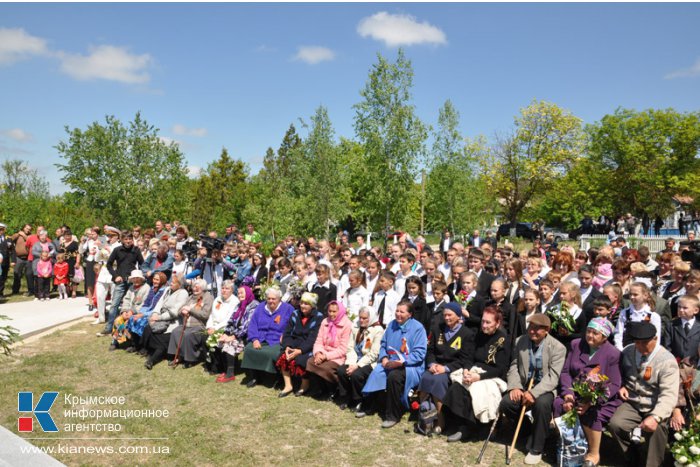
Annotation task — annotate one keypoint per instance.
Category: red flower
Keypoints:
(415, 406)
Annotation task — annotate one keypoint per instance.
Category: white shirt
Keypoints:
(354, 299)
(371, 283)
(392, 300)
(635, 316)
(400, 283)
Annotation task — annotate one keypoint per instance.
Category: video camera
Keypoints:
(189, 249)
(691, 252)
(211, 244)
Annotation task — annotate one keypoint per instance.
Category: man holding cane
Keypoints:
(532, 382)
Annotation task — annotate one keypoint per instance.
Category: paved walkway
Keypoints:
(33, 317)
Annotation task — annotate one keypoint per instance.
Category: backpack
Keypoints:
(427, 419)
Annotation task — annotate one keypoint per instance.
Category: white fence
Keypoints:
(655, 243)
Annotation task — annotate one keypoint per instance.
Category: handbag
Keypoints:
(78, 276)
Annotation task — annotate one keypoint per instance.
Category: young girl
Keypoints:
(570, 305)
(416, 295)
(640, 309)
(472, 304)
(513, 270)
(44, 270)
(614, 294)
(179, 265)
(528, 306)
(60, 278)
(356, 296)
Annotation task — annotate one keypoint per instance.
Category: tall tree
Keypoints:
(455, 195)
(546, 142)
(393, 139)
(645, 158)
(24, 194)
(220, 194)
(119, 171)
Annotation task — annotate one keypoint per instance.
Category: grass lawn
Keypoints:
(210, 423)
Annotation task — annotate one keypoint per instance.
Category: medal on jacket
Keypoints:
(441, 339)
(404, 346)
(368, 344)
(647, 373)
(278, 318)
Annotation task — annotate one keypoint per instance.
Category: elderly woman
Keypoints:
(402, 362)
(298, 342)
(592, 353)
(330, 347)
(466, 403)
(450, 348)
(131, 305)
(222, 309)
(360, 358)
(267, 324)
(138, 321)
(195, 314)
(233, 339)
(156, 335)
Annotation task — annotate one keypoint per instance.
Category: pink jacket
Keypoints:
(44, 268)
(335, 353)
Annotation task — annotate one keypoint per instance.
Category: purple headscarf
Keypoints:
(249, 297)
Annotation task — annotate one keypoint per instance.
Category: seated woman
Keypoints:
(330, 347)
(267, 324)
(593, 352)
(467, 403)
(194, 315)
(131, 304)
(360, 358)
(138, 322)
(298, 342)
(450, 348)
(156, 335)
(233, 339)
(402, 363)
(221, 310)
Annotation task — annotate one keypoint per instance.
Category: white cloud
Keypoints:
(107, 62)
(314, 54)
(17, 134)
(16, 44)
(183, 130)
(690, 72)
(398, 30)
(194, 171)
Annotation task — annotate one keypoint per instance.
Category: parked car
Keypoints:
(522, 230)
(558, 234)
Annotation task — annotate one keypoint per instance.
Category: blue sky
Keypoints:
(236, 75)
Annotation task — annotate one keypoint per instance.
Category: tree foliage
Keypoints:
(392, 139)
(127, 174)
(547, 141)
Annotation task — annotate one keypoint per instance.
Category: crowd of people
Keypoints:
(460, 333)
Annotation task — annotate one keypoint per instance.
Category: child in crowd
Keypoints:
(614, 293)
(60, 276)
(44, 271)
(641, 309)
(356, 296)
(547, 299)
(386, 299)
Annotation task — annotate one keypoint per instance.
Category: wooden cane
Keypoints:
(176, 360)
(509, 454)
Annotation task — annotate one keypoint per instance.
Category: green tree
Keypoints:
(24, 194)
(455, 196)
(546, 142)
(128, 175)
(645, 158)
(220, 194)
(393, 139)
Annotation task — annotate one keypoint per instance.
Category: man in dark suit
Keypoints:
(476, 241)
(476, 265)
(446, 241)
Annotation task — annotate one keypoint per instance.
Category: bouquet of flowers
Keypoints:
(562, 318)
(463, 299)
(590, 388)
(686, 445)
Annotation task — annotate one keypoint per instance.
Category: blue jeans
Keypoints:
(117, 297)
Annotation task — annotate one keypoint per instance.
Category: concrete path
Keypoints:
(33, 317)
(14, 451)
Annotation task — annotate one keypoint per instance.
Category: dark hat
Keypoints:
(641, 331)
(454, 307)
(621, 239)
(540, 319)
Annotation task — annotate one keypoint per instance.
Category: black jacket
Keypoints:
(325, 295)
(456, 353)
(127, 260)
(302, 336)
(680, 345)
